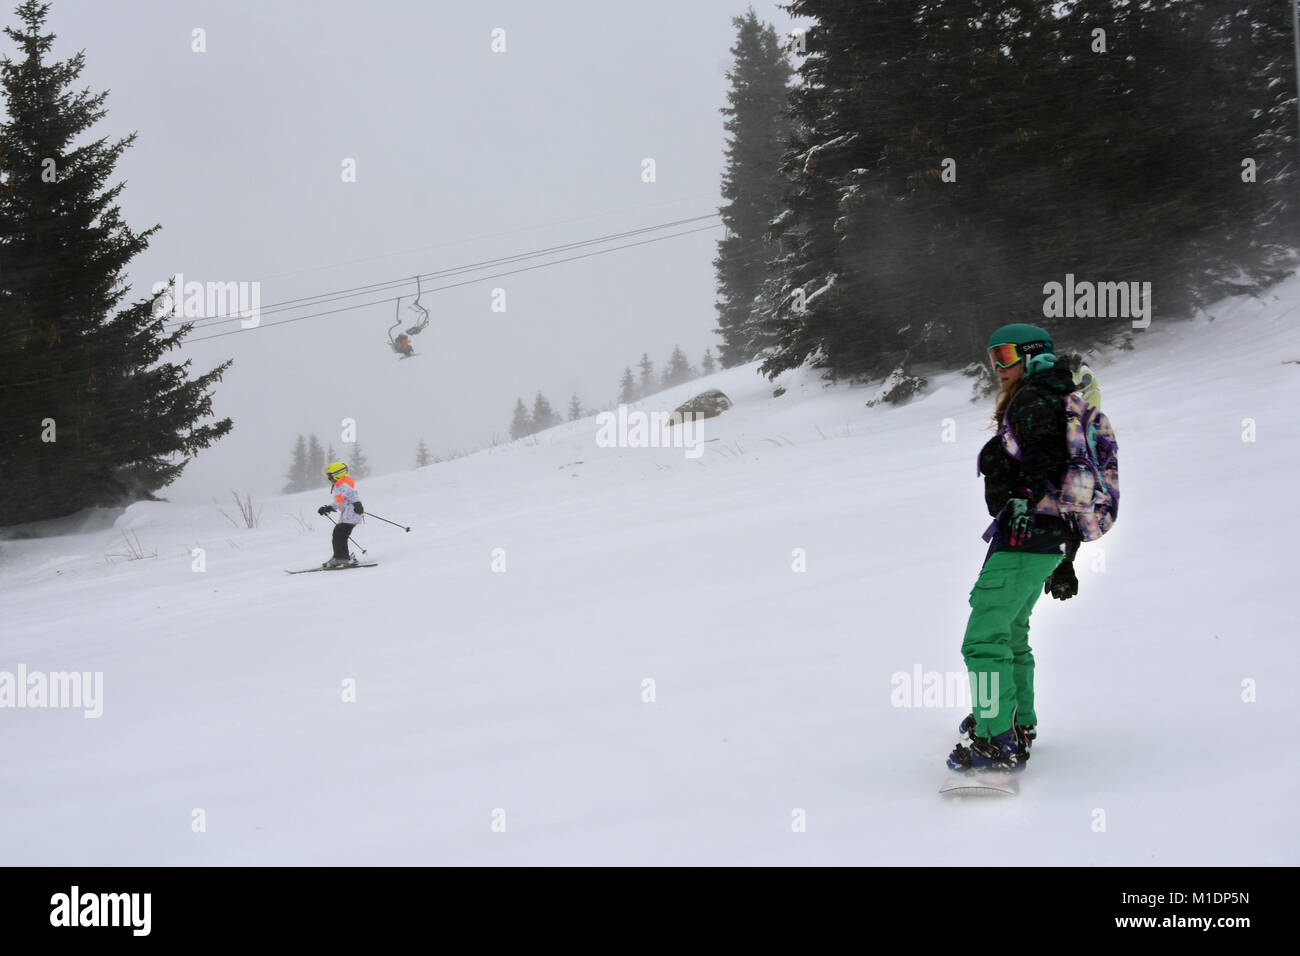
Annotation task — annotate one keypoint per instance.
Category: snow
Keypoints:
(516, 696)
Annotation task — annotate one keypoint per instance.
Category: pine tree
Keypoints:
(543, 415)
(316, 460)
(843, 114)
(891, 253)
(1264, 39)
(678, 369)
(647, 375)
(296, 479)
(627, 388)
(91, 413)
(575, 408)
(358, 467)
(422, 456)
(521, 424)
(759, 126)
(707, 365)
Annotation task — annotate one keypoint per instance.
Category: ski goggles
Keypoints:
(1005, 356)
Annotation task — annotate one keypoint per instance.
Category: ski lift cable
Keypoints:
(325, 298)
(494, 235)
(453, 285)
(75, 373)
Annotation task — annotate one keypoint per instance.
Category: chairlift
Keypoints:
(423, 321)
(402, 344)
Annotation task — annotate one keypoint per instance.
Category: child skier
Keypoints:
(1030, 547)
(346, 501)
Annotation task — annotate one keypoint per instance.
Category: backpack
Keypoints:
(1088, 497)
(1089, 494)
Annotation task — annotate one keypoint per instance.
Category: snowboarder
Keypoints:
(1031, 548)
(348, 503)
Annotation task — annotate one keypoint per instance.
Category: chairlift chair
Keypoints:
(423, 322)
(402, 344)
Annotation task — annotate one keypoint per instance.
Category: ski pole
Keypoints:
(350, 540)
(393, 523)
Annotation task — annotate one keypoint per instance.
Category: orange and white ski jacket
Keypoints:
(345, 496)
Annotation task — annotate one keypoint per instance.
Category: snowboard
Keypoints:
(346, 567)
(981, 783)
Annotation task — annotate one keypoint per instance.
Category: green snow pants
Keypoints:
(996, 646)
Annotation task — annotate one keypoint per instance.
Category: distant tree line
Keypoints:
(307, 464)
(677, 370)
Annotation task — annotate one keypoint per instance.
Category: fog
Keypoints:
(314, 147)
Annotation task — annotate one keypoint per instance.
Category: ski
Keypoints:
(346, 567)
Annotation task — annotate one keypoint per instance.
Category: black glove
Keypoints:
(323, 510)
(1062, 584)
(356, 506)
(1020, 522)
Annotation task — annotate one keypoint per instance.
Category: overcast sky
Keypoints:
(461, 154)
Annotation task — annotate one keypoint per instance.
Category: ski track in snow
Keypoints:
(481, 691)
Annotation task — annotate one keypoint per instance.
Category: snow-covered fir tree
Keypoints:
(758, 127)
(77, 353)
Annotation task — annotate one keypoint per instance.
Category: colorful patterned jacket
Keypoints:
(345, 496)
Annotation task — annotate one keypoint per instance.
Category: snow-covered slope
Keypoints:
(500, 654)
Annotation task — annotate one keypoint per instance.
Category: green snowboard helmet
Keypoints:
(1021, 334)
(1012, 343)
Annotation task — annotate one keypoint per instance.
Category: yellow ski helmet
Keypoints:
(335, 470)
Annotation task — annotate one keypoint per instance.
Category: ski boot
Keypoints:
(335, 563)
(1001, 753)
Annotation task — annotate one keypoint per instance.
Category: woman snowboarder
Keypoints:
(1031, 550)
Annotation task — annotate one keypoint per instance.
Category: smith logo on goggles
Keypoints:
(1005, 356)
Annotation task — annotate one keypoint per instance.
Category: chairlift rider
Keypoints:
(402, 345)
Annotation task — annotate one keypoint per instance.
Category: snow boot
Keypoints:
(1001, 753)
(1027, 733)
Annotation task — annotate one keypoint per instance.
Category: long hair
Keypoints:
(1004, 401)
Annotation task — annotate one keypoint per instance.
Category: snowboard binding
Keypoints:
(1027, 733)
(1000, 753)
